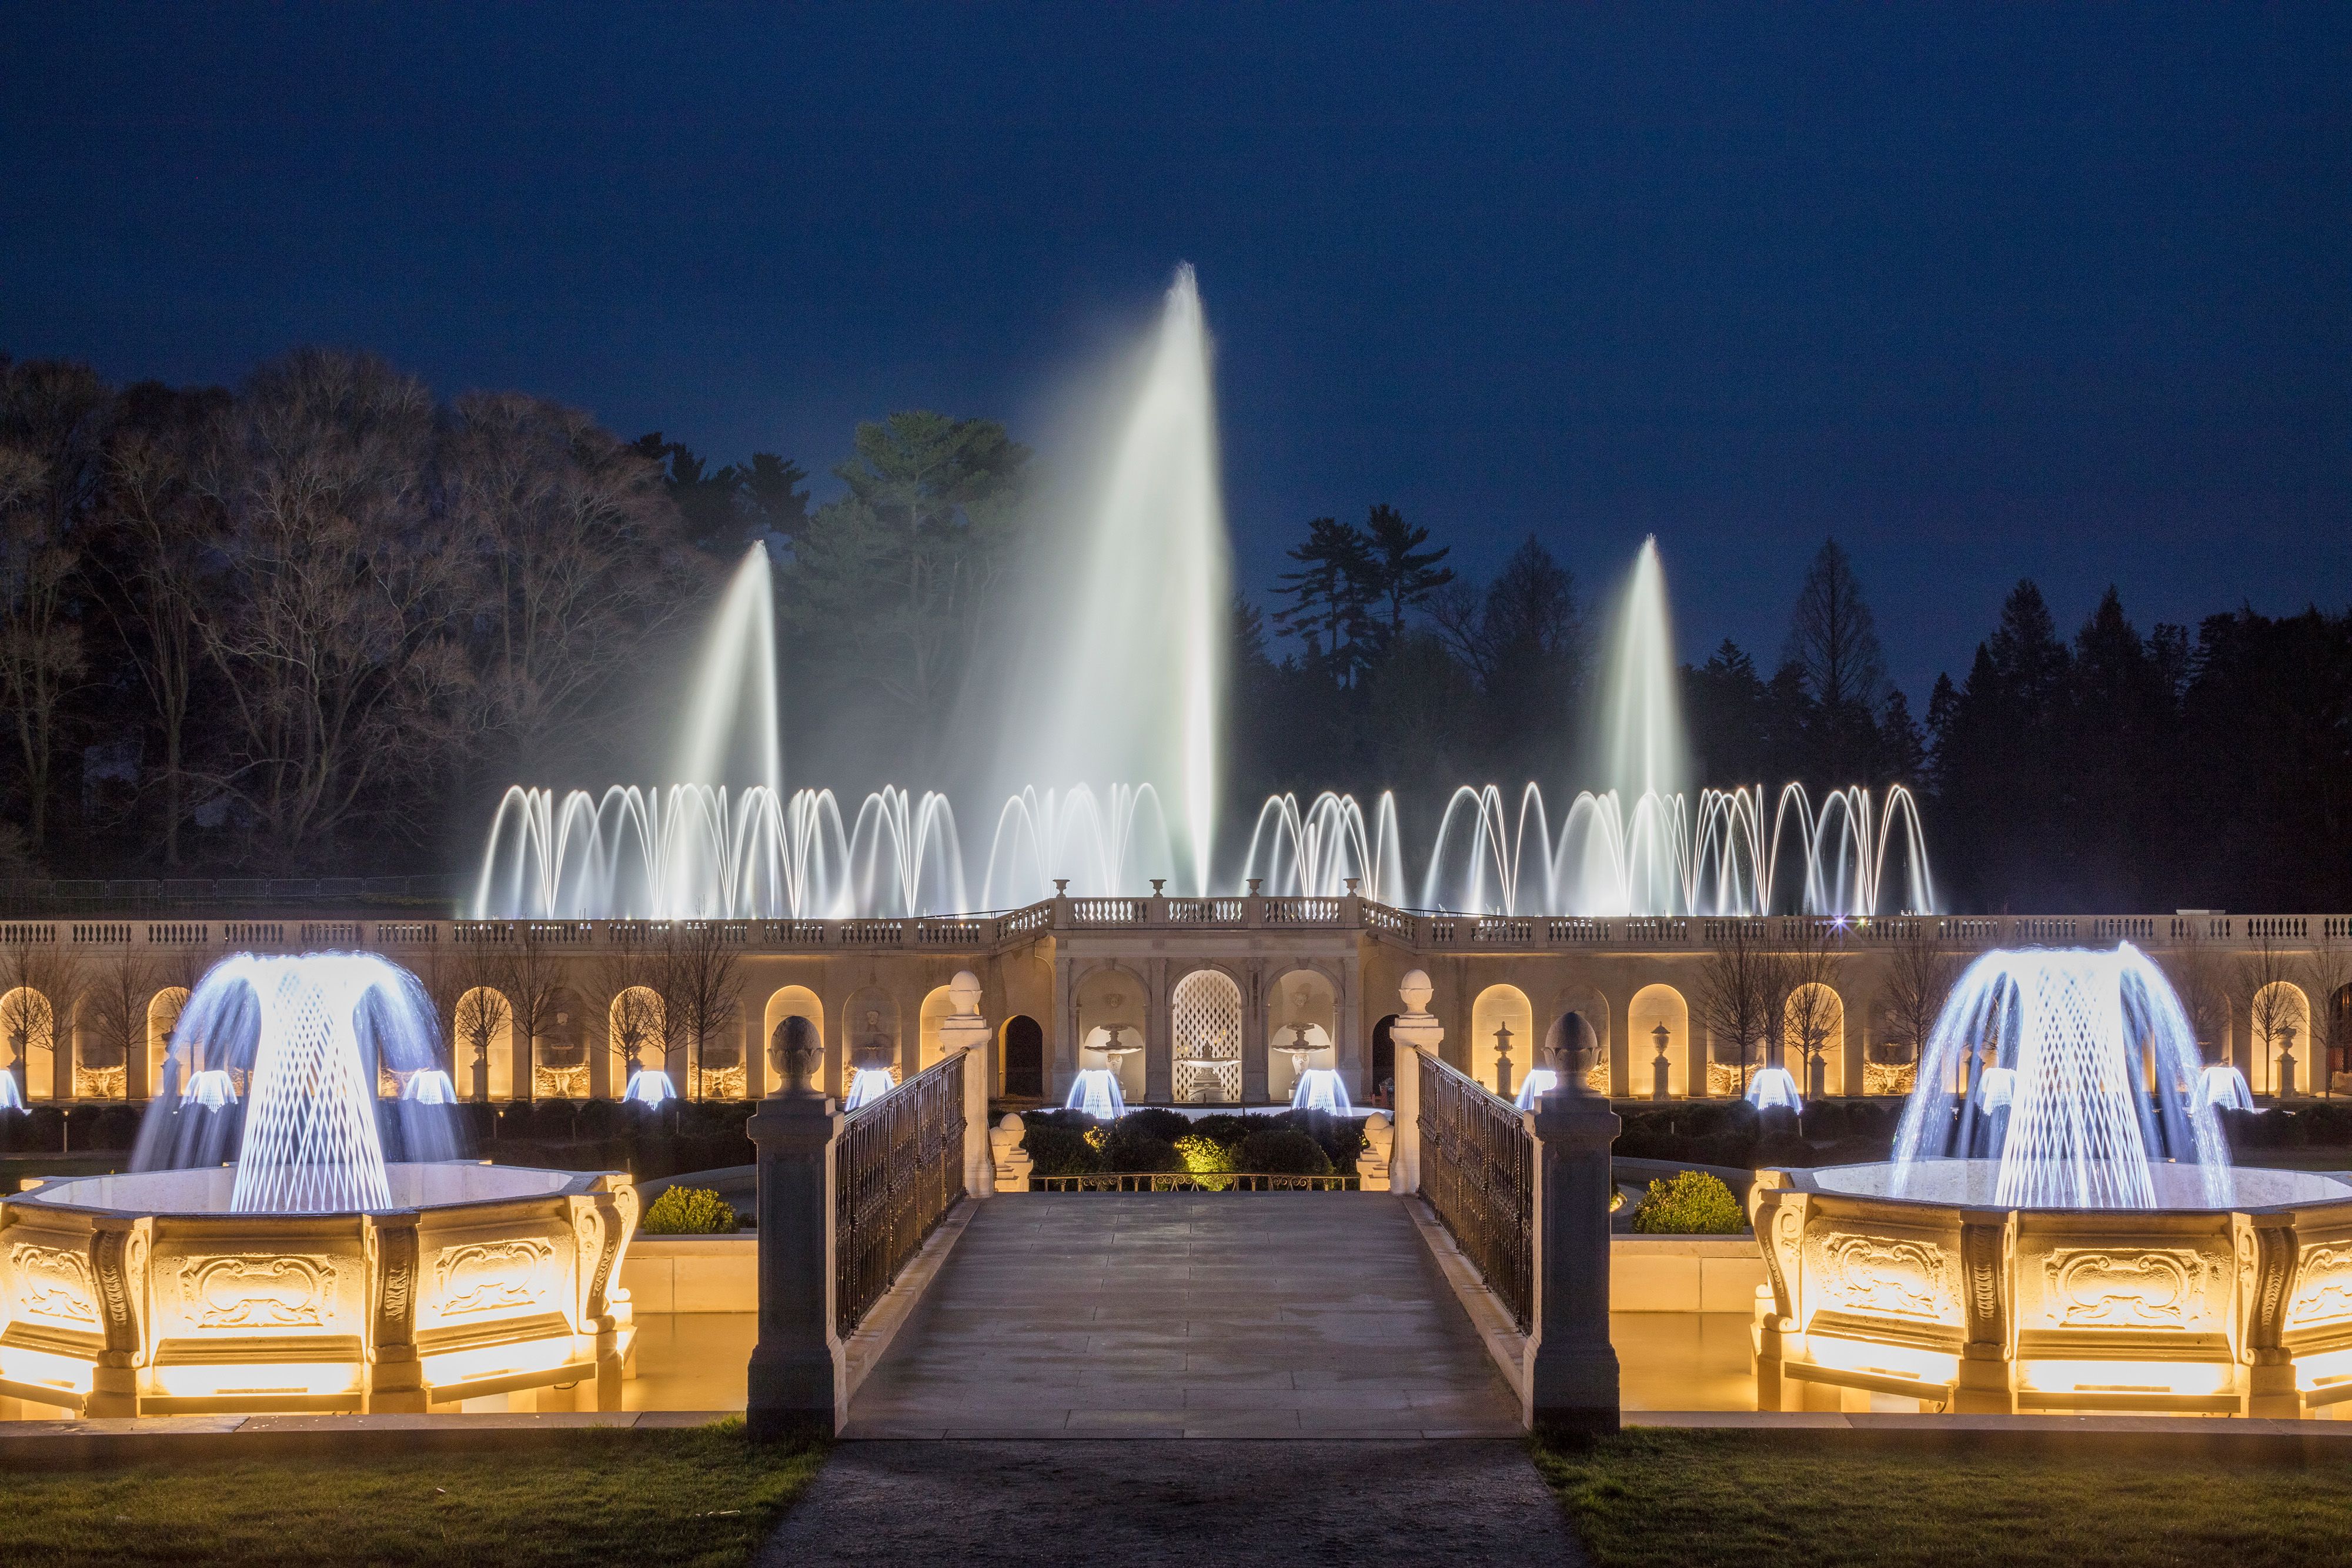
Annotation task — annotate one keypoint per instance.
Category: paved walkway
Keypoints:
(1174, 1315)
(1181, 1504)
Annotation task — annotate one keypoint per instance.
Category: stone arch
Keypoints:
(1497, 1008)
(28, 1037)
(1381, 1072)
(483, 1043)
(1588, 1003)
(1106, 996)
(1204, 1013)
(634, 1023)
(792, 1002)
(1813, 1025)
(558, 1067)
(2277, 1014)
(2339, 1036)
(936, 1005)
(1302, 1000)
(1021, 1051)
(1656, 1007)
(869, 1027)
(162, 1018)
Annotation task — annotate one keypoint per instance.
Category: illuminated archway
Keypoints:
(1498, 1007)
(1111, 996)
(1205, 1025)
(1655, 1008)
(1587, 1003)
(634, 1028)
(1303, 999)
(793, 1002)
(162, 1018)
(2279, 1017)
(1813, 1025)
(937, 1006)
(482, 1036)
(29, 1039)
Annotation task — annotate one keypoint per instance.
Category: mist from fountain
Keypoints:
(311, 1040)
(2100, 1105)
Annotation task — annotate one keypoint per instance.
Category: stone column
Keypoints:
(1158, 1029)
(1571, 1365)
(798, 1382)
(1061, 1068)
(1416, 1029)
(1253, 1007)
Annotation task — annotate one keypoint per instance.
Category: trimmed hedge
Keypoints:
(1693, 1204)
(688, 1211)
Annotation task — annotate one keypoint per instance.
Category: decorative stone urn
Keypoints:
(1416, 1027)
(1373, 1163)
(964, 1028)
(1014, 1162)
(797, 1054)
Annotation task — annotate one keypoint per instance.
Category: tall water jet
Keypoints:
(1129, 603)
(1645, 755)
(733, 730)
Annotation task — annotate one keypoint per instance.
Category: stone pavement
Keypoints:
(1187, 1315)
(1234, 1504)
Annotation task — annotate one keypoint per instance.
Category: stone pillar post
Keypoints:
(1062, 1070)
(1159, 1028)
(1253, 1048)
(1416, 1029)
(1571, 1366)
(798, 1382)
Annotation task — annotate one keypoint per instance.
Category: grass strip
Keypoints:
(1653, 1497)
(697, 1495)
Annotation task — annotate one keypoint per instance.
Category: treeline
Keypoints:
(314, 624)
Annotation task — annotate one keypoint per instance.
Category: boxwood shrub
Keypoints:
(1692, 1204)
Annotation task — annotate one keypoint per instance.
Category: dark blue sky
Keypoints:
(1986, 293)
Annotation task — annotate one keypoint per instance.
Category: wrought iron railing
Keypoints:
(1179, 1181)
(1478, 1172)
(898, 1169)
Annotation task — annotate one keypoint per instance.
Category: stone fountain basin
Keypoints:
(1943, 1296)
(143, 1294)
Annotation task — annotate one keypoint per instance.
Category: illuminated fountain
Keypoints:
(1770, 1087)
(1095, 1090)
(2066, 1232)
(312, 1271)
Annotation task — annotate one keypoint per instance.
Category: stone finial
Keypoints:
(796, 1053)
(1415, 992)
(1014, 1162)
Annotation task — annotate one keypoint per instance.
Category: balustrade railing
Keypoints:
(1478, 1172)
(898, 1169)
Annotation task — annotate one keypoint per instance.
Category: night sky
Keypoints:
(2058, 293)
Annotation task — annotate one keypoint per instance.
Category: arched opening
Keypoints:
(1110, 1028)
(633, 1034)
(1023, 1055)
(869, 1029)
(1384, 1089)
(28, 1034)
(2339, 1040)
(162, 1018)
(1659, 1023)
(1812, 1039)
(936, 1005)
(793, 1002)
(1205, 1015)
(560, 1066)
(2280, 1018)
(1301, 1027)
(482, 1032)
(1502, 1044)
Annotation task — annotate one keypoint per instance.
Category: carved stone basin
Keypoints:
(1942, 1296)
(144, 1294)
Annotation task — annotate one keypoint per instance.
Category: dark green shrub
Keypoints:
(1227, 1129)
(1778, 1121)
(1783, 1149)
(1157, 1122)
(1693, 1204)
(1740, 1120)
(1057, 1150)
(688, 1211)
(1134, 1149)
(1342, 1138)
(1825, 1120)
(1206, 1159)
(1282, 1151)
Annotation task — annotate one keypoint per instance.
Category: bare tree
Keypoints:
(480, 1014)
(159, 527)
(2262, 977)
(332, 631)
(2200, 979)
(2328, 972)
(576, 559)
(628, 976)
(52, 416)
(40, 986)
(1813, 955)
(532, 976)
(1920, 974)
(1740, 985)
(114, 1018)
(702, 981)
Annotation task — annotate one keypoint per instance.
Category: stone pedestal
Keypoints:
(1415, 1030)
(1571, 1365)
(798, 1382)
(1380, 1143)
(1014, 1162)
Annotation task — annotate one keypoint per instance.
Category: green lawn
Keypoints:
(1659, 1496)
(693, 1495)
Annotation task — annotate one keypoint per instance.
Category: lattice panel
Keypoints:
(1207, 1014)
